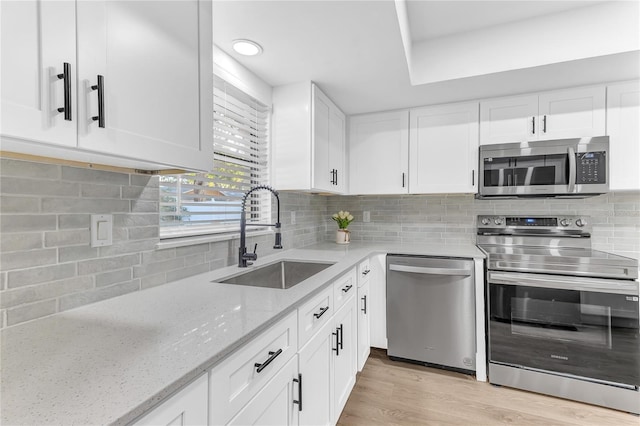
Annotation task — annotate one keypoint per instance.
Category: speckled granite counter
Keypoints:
(111, 361)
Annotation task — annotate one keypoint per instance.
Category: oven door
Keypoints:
(582, 327)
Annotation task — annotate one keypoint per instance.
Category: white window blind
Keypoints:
(204, 203)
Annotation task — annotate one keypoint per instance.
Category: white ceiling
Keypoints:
(433, 19)
(353, 49)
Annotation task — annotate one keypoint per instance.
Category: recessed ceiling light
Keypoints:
(247, 47)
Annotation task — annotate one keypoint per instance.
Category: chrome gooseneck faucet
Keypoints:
(243, 256)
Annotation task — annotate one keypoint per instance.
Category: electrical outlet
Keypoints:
(366, 216)
(293, 218)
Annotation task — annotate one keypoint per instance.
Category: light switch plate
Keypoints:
(101, 230)
(366, 216)
(293, 217)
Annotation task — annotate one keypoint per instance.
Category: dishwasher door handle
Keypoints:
(430, 271)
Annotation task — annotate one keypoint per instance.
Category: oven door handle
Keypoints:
(430, 271)
(565, 283)
(572, 170)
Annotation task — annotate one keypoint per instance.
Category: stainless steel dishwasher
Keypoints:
(431, 311)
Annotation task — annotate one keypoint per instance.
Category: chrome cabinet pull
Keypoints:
(66, 77)
(321, 313)
(100, 88)
(272, 356)
(299, 400)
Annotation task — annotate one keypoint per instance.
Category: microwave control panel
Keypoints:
(591, 167)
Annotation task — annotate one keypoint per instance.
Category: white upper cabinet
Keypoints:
(569, 113)
(623, 128)
(508, 119)
(308, 140)
(443, 149)
(38, 39)
(379, 153)
(572, 113)
(137, 88)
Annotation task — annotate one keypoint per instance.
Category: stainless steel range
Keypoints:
(562, 318)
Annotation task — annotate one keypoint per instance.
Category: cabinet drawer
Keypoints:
(364, 269)
(314, 314)
(344, 287)
(240, 377)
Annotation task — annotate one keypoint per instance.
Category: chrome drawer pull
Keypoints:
(272, 356)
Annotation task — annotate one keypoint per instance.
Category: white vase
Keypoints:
(343, 236)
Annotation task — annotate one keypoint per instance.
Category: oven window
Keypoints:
(526, 170)
(587, 334)
(562, 321)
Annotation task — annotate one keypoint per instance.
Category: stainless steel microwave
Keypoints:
(553, 168)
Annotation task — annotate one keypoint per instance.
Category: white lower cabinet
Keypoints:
(378, 304)
(316, 369)
(364, 326)
(187, 407)
(346, 356)
(239, 378)
(277, 403)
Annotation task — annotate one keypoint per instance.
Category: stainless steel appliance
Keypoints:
(431, 311)
(554, 168)
(562, 318)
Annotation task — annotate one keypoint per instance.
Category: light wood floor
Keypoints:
(397, 393)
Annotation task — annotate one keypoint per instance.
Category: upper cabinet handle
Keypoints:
(66, 77)
(533, 124)
(100, 88)
(544, 124)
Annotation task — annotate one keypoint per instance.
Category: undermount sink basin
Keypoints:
(283, 274)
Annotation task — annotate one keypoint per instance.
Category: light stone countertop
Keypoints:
(111, 361)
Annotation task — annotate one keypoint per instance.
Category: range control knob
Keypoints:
(565, 222)
(486, 221)
(498, 221)
(581, 222)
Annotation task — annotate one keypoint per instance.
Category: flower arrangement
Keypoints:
(343, 219)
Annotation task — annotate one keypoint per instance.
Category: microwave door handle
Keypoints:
(572, 170)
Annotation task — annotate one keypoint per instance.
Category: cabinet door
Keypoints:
(337, 148)
(379, 153)
(346, 357)
(443, 149)
(149, 55)
(509, 120)
(364, 329)
(378, 305)
(572, 113)
(187, 407)
(323, 175)
(38, 37)
(623, 128)
(273, 405)
(316, 367)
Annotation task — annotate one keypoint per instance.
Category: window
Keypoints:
(206, 203)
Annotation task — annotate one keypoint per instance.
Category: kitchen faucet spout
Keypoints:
(243, 256)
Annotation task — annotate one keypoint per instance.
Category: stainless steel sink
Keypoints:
(283, 274)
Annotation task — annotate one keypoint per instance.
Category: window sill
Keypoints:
(168, 243)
